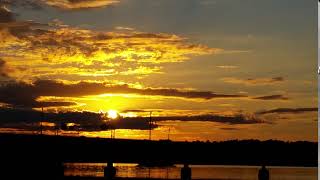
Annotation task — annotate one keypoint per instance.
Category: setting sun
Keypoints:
(112, 114)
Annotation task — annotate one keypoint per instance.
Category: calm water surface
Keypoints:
(198, 171)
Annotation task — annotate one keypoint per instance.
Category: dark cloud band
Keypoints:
(89, 121)
(23, 94)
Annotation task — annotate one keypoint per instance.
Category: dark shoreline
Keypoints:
(118, 178)
(84, 149)
(42, 156)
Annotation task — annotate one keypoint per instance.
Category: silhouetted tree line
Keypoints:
(235, 152)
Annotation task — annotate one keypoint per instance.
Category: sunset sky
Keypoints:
(207, 69)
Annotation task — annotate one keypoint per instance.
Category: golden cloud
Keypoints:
(44, 52)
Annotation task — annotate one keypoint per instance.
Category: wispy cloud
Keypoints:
(124, 28)
(227, 67)
(254, 81)
(289, 110)
(272, 97)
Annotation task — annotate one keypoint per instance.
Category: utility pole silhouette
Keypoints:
(112, 128)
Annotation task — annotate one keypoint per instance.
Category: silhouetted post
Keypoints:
(109, 171)
(150, 126)
(56, 128)
(113, 133)
(263, 173)
(42, 117)
(186, 172)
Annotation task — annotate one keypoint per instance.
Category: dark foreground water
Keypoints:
(198, 171)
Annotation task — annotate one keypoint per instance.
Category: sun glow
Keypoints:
(112, 114)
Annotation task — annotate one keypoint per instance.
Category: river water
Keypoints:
(198, 171)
